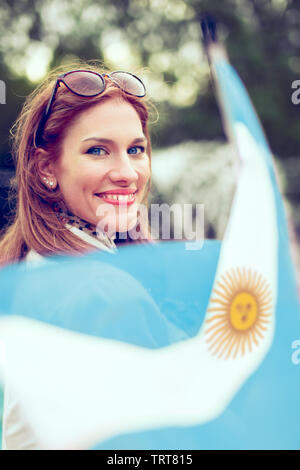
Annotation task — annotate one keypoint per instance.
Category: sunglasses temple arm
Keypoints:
(43, 121)
(49, 105)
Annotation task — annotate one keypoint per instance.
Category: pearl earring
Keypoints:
(51, 183)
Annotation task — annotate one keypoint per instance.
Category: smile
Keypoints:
(118, 199)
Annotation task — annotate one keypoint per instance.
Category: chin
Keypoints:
(118, 224)
(124, 224)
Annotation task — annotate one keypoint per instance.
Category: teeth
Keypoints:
(119, 197)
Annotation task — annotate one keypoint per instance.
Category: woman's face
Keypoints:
(104, 169)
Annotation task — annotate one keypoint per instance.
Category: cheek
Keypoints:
(144, 171)
(81, 177)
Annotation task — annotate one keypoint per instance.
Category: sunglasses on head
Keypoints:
(87, 83)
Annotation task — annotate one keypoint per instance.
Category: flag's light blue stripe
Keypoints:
(238, 105)
(165, 298)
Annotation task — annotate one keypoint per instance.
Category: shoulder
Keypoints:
(32, 255)
(34, 258)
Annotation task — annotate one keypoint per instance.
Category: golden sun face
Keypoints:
(238, 314)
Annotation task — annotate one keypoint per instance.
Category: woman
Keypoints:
(83, 170)
(82, 151)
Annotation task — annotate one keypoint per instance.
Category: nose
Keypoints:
(123, 171)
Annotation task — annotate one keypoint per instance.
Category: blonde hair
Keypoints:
(34, 224)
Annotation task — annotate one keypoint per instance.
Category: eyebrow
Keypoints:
(111, 142)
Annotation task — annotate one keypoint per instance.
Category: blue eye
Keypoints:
(97, 151)
(136, 150)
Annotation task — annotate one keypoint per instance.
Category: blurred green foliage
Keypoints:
(262, 38)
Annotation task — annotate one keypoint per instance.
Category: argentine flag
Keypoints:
(163, 347)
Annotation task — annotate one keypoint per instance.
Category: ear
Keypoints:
(45, 168)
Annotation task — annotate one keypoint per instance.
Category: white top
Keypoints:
(16, 432)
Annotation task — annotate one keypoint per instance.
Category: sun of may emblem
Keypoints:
(238, 314)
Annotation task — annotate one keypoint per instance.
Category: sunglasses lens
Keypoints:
(85, 83)
(129, 83)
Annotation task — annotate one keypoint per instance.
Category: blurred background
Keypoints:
(161, 41)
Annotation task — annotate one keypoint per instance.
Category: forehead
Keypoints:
(111, 116)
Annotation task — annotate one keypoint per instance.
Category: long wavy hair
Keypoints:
(34, 224)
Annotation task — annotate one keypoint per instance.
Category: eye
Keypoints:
(136, 150)
(97, 151)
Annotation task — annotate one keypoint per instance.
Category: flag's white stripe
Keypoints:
(251, 237)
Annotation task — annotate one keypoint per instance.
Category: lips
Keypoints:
(119, 191)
